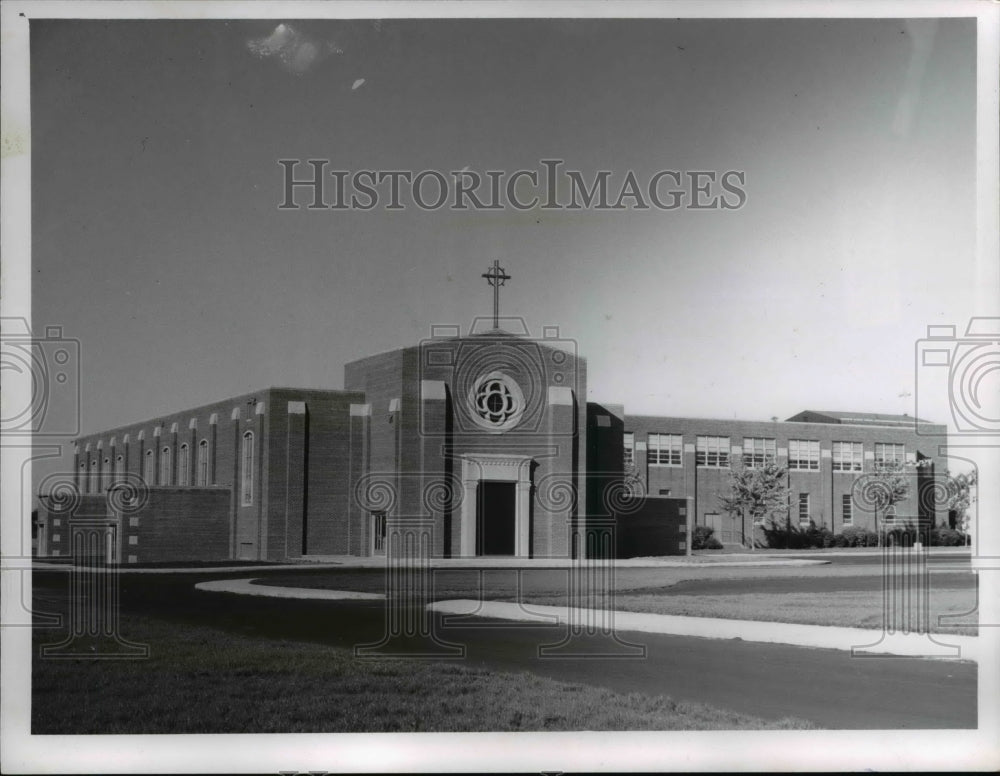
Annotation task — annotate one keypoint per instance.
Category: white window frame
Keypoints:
(628, 445)
(804, 501)
(803, 455)
(848, 456)
(897, 449)
(847, 509)
(759, 451)
(665, 449)
(711, 452)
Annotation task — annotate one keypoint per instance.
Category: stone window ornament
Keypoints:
(497, 401)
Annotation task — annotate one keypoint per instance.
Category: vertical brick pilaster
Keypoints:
(296, 480)
(359, 541)
(433, 424)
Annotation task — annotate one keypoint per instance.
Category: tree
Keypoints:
(880, 489)
(961, 496)
(758, 492)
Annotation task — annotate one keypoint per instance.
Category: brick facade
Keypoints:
(824, 489)
(284, 472)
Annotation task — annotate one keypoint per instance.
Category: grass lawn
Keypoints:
(850, 608)
(202, 680)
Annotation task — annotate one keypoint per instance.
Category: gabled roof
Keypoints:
(855, 418)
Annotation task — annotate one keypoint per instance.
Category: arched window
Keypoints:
(148, 472)
(183, 465)
(119, 467)
(165, 466)
(203, 462)
(247, 469)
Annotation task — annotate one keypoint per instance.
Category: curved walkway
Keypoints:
(859, 641)
(246, 587)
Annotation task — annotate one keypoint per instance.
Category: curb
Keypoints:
(861, 642)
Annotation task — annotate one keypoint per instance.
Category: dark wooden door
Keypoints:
(495, 518)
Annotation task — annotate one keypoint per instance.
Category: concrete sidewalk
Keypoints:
(860, 641)
(246, 587)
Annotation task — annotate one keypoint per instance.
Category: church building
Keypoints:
(485, 438)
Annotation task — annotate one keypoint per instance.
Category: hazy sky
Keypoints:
(158, 243)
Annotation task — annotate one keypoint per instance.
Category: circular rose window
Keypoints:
(497, 401)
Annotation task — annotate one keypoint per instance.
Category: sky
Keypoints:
(158, 243)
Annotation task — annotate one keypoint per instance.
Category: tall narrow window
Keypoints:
(247, 468)
(95, 483)
(803, 509)
(106, 473)
(82, 483)
(148, 472)
(165, 466)
(183, 465)
(629, 442)
(119, 468)
(847, 509)
(203, 462)
(664, 450)
(712, 451)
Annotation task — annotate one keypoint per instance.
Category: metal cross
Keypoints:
(497, 276)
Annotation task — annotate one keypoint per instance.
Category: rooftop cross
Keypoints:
(497, 276)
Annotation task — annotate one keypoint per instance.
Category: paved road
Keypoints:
(827, 687)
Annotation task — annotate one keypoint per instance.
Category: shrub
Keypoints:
(947, 537)
(853, 536)
(703, 539)
(784, 537)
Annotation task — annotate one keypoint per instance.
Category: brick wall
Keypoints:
(656, 527)
(310, 472)
(178, 524)
(825, 487)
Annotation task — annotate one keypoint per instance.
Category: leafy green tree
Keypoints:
(758, 493)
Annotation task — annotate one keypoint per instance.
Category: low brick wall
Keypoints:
(655, 527)
(179, 524)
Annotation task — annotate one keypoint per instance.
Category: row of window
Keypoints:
(805, 515)
(714, 451)
(104, 478)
